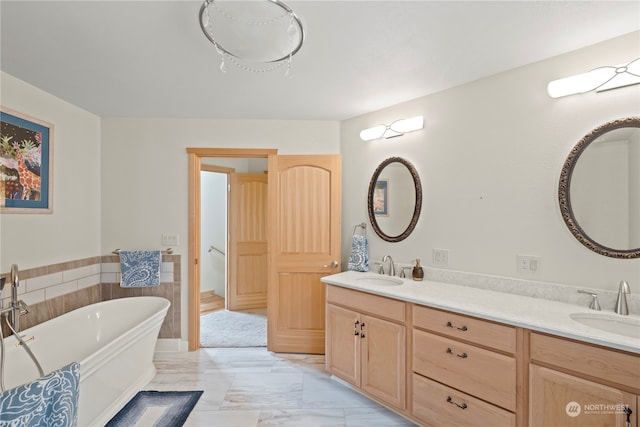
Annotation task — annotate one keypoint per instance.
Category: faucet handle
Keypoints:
(594, 305)
(380, 267)
(24, 308)
(402, 269)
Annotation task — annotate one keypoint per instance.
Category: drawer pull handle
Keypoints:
(356, 333)
(462, 355)
(450, 400)
(450, 325)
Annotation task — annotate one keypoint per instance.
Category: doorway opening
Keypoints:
(233, 252)
(213, 241)
(199, 158)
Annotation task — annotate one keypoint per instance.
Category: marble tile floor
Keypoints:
(247, 387)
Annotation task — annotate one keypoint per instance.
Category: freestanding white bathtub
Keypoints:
(114, 343)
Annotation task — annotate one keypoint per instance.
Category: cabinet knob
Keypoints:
(334, 264)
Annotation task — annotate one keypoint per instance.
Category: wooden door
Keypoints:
(559, 399)
(383, 360)
(247, 281)
(343, 344)
(304, 246)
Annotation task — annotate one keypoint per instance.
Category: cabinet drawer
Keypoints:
(608, 365)
(367, 303)
(482, 373)
(494, 335)
(439, 405)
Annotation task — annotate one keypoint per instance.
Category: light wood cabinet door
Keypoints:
(559, 399)
(343, 344)
(364, 349)
(383, 360)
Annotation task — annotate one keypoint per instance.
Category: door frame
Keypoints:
(194, 159)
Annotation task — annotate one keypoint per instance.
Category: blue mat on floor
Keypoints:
(156, 408)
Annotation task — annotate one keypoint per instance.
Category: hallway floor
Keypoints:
(246, 387)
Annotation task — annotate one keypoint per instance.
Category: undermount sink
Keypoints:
(380, 280)
(617, 324)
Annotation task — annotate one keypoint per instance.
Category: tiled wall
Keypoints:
(56, 289)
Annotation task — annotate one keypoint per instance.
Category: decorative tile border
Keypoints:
(52, 290)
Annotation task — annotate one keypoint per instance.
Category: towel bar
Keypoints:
(165, 252)
(362, 225)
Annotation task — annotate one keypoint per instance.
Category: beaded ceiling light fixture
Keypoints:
(256, 35)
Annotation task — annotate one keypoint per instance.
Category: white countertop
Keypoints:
(532, 313)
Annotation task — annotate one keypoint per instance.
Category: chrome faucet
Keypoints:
(392, 269)
(17, 307)
(621, 303)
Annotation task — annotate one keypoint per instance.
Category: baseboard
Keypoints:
(164, 345)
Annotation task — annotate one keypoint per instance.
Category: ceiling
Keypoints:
(150, 59)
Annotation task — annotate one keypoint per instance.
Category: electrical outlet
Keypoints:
(441, 257)
(170, 239)
(528, 264)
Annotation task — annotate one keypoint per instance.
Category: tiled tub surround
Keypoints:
(53, 290)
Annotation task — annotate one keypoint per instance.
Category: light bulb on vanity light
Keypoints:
(396, 128)
(599, 79)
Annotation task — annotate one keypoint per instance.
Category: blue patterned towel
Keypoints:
(140, 269)
(359, 258)
(47, 402)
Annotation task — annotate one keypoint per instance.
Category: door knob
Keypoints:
(334, 264)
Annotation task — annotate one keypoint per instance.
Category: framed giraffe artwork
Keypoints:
(26, 164)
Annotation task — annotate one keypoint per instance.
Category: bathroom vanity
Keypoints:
(449, 355)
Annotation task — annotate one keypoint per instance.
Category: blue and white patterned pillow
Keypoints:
(50, 401)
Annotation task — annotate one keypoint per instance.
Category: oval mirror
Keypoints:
(394, 199)
(599, 191)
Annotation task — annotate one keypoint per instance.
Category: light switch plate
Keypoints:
(170, 239)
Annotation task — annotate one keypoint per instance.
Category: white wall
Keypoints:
(213, 232)
(489, 160)
(72, 231)
(144, 172)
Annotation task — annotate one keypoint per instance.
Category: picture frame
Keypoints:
(381, 198)
(26, 163)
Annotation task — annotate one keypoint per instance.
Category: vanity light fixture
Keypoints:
(396, 128)
(599, 79)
